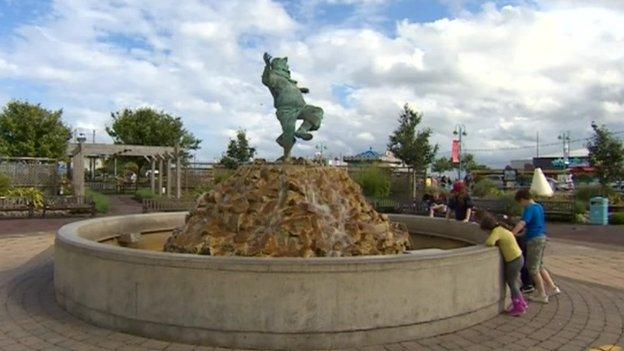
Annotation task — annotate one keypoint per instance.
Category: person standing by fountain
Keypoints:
(512, 256)
(460, 203)
(533, 220)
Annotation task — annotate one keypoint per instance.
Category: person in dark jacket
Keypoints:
(460, 203)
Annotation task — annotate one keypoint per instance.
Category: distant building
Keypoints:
(386, 159)
(521, 165)
(577, 160)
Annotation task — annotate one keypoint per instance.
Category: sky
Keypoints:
(506, 70)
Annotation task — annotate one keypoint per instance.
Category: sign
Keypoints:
(455, 151)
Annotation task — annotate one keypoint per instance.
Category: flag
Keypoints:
(455, 151)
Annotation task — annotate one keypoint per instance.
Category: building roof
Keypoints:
(582, 152)
(371, 155)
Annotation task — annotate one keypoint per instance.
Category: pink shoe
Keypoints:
(524, 303)
(518, 308)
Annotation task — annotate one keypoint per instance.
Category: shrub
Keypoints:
(512, 207)
(375, 182)
(580, 207)
(200, 190)
(144, 193)
(616, 199)
(585, 193)
(580, 219)
(5, 183)
(221, 174)
(616, 218)
(33, 194)
(102, 204)
(484, 188)
(583, 178)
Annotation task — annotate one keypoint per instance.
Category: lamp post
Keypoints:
(321, 147)
(460, 131)
(565, 138)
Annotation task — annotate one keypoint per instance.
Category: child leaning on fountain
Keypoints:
(512, 255)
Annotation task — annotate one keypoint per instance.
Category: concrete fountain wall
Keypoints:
(275, 303)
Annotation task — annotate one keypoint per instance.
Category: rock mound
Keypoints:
(287, 211)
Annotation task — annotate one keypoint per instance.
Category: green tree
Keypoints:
(468, 162)
(441, 165)
(147, 126)
(238, 151)
(411, 145)
(28, 130)
(606, 155)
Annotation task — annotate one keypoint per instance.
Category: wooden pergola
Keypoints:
(161, 154)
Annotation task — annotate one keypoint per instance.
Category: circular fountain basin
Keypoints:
(275, 303)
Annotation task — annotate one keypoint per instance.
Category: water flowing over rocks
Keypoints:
(287, 211)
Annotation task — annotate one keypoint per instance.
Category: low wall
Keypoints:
(275, 303)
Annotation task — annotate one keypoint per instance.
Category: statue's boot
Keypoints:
(304, 136)
(302, 132)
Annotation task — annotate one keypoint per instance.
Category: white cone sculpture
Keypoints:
(539, 185)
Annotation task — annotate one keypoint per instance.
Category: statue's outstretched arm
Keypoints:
(266, 74)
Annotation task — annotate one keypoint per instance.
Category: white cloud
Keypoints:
(503, 72)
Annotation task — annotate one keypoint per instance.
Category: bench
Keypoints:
(75, 204)
(167, 205)
(16, 204)
(558, 209)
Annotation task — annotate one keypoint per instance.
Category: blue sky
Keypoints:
(503, 68)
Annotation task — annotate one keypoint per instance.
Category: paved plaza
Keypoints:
(589, 314)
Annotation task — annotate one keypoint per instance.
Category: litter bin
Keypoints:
(599, 210)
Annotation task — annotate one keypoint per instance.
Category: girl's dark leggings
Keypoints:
(524, 274)
(512, 276)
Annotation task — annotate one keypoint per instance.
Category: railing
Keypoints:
(167, 205)
(553, 209)
(111, 187)
(390, 205)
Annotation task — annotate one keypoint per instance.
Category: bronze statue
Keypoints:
(290, 105)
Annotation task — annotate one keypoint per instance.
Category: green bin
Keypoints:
(599, 210)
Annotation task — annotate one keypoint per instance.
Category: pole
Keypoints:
(178, 173)
(152, 178)
(78, 171)
(459, 166)
(160, 175)
(537, 145)
(169, 178)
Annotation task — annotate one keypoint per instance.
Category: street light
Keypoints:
(460, 131)
(321, 147)
(565, 138)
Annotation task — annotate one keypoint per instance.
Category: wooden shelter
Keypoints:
(154, 154)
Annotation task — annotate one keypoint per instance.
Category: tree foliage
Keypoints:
(238, 151)
(147, 126)
(606, 155)
(374, 180)
(468, 162)
(28, 130)
(442, 164)
(411, 145)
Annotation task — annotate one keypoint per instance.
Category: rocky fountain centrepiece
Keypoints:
(280, 256)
